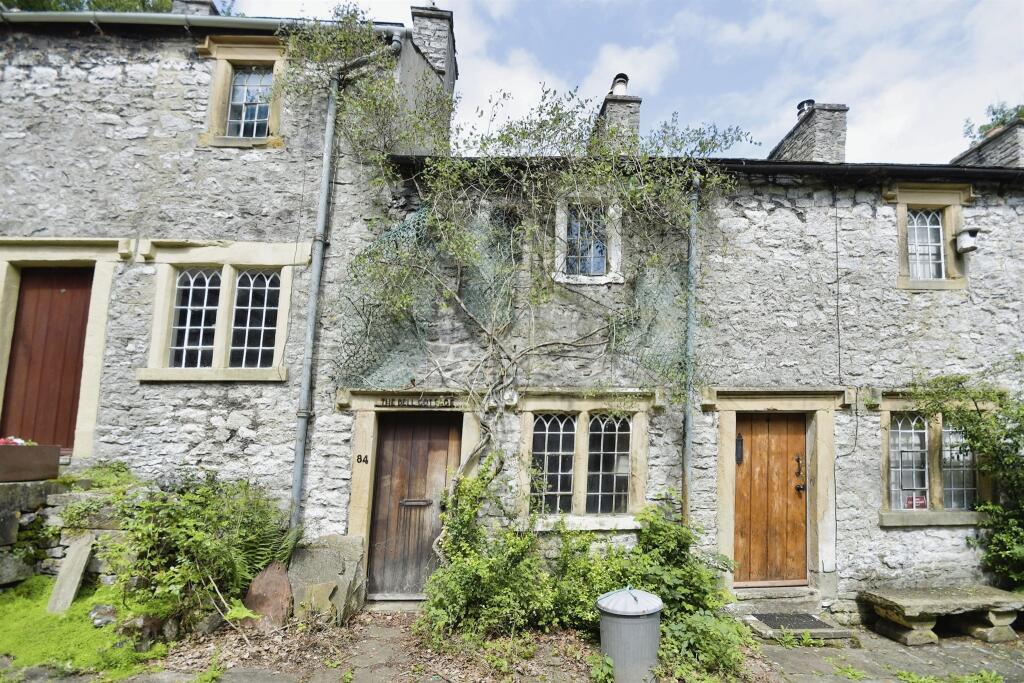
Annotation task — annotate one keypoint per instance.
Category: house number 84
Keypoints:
(363, 459)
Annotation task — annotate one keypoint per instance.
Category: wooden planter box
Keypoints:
(29, 463)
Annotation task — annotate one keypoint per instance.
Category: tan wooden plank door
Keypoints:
(44, 369)
(770, 545)
(416, 454)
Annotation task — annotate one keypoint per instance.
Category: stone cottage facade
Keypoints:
(156, 238)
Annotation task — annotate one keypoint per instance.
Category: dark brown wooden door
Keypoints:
(771, 502)
(416, 454)
(44, 370)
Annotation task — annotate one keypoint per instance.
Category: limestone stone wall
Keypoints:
(1003, 148)
(777, 319)
(100, 139)
(819, 135)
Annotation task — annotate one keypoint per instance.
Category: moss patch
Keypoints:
(68, 642)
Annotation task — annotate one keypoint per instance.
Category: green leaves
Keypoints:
(184, 545)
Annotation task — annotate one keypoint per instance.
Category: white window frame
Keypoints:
(170, 257)
(636, 409)
(613, 226)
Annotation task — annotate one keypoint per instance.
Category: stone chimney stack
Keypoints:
(819, 134)
(1003, 146)
(620, 111)
(203, 7)
(434, 34)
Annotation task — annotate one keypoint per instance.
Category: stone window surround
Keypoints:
(947, 198)
(171, 255)
(936, 514)
(819, 404)
(637, 404)
(103, 254)
(614, 246)
(243, 51)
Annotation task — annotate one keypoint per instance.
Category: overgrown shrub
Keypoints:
(498, 584)
(195, 546)
(992, 422)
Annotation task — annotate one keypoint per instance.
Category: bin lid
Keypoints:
(631, 602)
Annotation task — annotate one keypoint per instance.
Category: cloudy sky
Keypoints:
(911, 71)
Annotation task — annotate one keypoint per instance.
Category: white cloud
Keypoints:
(647, 68)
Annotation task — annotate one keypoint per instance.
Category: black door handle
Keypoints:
(801, 487)
(415, 502)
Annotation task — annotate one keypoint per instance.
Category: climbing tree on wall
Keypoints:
(468, 233)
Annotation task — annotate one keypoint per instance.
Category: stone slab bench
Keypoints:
(908, 615)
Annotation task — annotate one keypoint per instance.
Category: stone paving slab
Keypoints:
(880, 659)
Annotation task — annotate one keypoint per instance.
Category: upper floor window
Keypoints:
(243, 111)
(588, 244)
(249, 106)
(220, 322)
(929, 218)
(586, 248)
(926, 250)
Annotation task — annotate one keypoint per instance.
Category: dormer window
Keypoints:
(588, 246)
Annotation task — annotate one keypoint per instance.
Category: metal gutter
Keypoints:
(830, 170)
(186, 21)
(692, 269)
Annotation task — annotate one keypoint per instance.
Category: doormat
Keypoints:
(796, 621)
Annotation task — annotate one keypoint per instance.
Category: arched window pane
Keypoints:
(908, 462)
(194, 319)
(254, 320)
(608, 464)
(554, 445)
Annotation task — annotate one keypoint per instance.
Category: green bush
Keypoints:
(195, 545)
(498, 584)
(992, 421)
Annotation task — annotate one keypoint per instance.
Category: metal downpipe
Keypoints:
(306, 391)
(692, 268)
(304, 412)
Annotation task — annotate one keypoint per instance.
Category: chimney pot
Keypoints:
(804, 107)
(620, 84)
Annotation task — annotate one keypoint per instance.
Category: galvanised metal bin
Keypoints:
(630, 620)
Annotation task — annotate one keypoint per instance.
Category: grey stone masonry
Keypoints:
(1001, 147)
(205, 7)
(433, 34)
(819, 135)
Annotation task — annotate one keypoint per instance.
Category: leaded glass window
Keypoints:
(608, 464)
(908, 462)
(586, 251)
(925, 245)
(554, 446)
(249, 104)
(254, 328)
(194, 319)
(959, 476)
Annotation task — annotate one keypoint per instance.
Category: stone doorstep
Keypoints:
(782, 599)
(764, 631)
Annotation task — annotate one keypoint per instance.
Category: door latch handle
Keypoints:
(415, 502)
(799, 467)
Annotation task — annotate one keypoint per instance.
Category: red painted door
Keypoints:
(44, 370)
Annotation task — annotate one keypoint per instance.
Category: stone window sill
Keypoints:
(588, 522)
(903, 282)
(896, 519)
(609, 279)
(273, 141)
(276, 374)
